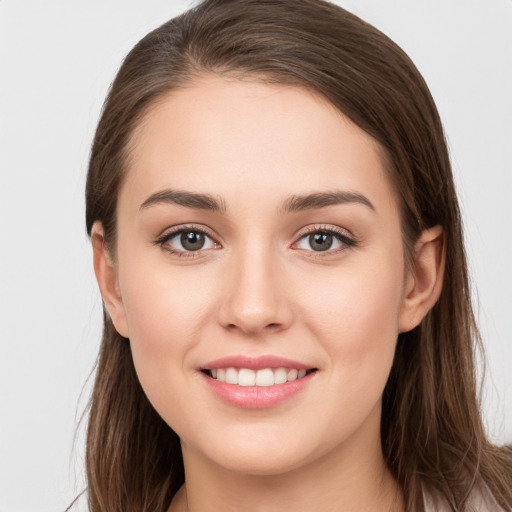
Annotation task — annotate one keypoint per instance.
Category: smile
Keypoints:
(263, 377)
(257, 382)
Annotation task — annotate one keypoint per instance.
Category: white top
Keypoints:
(480, 500)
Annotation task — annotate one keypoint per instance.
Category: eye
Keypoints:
(323, 240)
(187, 240)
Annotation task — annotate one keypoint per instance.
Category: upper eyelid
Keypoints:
(173, 231)
(344, 236)
(333, 229)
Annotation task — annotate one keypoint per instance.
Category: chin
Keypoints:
(260, 462)
(259, 453)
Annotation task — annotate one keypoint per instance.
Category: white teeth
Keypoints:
(231, 376)
(263, 377)
(246, 377)
(280, 376)
(292, 375)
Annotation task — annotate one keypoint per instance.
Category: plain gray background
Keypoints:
(57, 59)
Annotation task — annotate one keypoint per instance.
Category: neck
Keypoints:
(353, 477)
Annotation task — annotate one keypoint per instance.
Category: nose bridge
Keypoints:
(255, 298)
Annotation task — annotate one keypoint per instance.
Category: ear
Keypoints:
(106, 275)
(424, 281)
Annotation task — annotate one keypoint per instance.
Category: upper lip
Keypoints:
(255, 363)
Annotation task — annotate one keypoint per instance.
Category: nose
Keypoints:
(254, 300)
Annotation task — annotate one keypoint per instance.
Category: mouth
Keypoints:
(263, 377)
(257, 382)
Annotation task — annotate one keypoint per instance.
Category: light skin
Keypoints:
(261, 169)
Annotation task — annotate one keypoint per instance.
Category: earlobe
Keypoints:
(424, 281)
(106, 276)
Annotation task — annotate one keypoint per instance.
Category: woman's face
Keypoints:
(258, 236)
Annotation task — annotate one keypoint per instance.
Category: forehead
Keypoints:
(239, 137)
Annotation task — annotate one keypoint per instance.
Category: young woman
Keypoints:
(278, 245)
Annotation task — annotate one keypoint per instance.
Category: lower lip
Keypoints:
(257, 397)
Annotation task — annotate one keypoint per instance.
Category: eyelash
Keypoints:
(340, 235)
(169, 235)
(347, 241)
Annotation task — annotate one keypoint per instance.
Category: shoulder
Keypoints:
(480, 500)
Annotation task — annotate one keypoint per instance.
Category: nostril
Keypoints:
(271, 327)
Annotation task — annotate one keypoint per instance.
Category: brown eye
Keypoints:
(192, 240)
(320, 241)
(324, 240)
(187, 240)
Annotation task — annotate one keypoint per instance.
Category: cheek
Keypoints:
(155, 290)
(355, 316)
(165, 309)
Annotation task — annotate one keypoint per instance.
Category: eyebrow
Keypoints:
(323, 199)
(187, 199)
(294, 203)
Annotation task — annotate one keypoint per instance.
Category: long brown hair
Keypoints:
(432, 433)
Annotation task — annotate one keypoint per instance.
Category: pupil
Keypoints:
(192, 241)
(320, 241)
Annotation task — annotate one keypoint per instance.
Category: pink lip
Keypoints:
(255, 363)
(255, 397)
